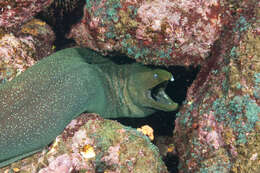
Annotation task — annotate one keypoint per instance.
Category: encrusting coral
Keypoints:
(15, 13)
(218, 127)
(181, 31)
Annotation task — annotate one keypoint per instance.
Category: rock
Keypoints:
(93, 144)
(182, 32)
(20, 50)
(218, 127)
(14, 13)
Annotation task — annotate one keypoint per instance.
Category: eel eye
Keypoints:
(155, 76)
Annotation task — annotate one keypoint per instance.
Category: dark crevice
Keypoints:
(61, 15)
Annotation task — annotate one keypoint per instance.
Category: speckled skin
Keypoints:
(37, 105)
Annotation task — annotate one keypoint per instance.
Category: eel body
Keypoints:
(36, 106)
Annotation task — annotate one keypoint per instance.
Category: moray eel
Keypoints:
(36, 106)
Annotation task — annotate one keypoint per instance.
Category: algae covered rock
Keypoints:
(15, 13)
(21, 49)
(93, 144)
(218, 127)
(182, 32)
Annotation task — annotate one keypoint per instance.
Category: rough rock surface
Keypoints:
(181, 31)
(218, 127)
(17, 12)
(217, 130)
(20, 50)
(93, 144)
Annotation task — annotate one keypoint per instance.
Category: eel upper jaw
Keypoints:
(159, 99)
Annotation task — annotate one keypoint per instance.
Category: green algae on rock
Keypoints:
(217, 129)
(182, 32)
(38, 104)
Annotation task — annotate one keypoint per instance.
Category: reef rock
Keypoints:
(218, 127)
(20, 50)
(181, 31)
(15, 12)
(92, 144)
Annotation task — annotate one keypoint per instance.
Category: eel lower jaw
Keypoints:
(159, 99)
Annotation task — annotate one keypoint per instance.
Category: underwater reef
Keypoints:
(93, 144)
(37, 105)
(15, 12)
(22, 47)
(216, 129)
(159, 32)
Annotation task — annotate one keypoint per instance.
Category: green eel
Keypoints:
(36, 106)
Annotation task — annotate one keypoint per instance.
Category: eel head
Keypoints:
(148, 89)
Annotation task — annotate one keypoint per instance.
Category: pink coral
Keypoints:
(210, 130)
(195, 32)
(62, 163)
(113, 157)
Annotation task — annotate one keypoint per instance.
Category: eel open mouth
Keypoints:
(159, 97)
